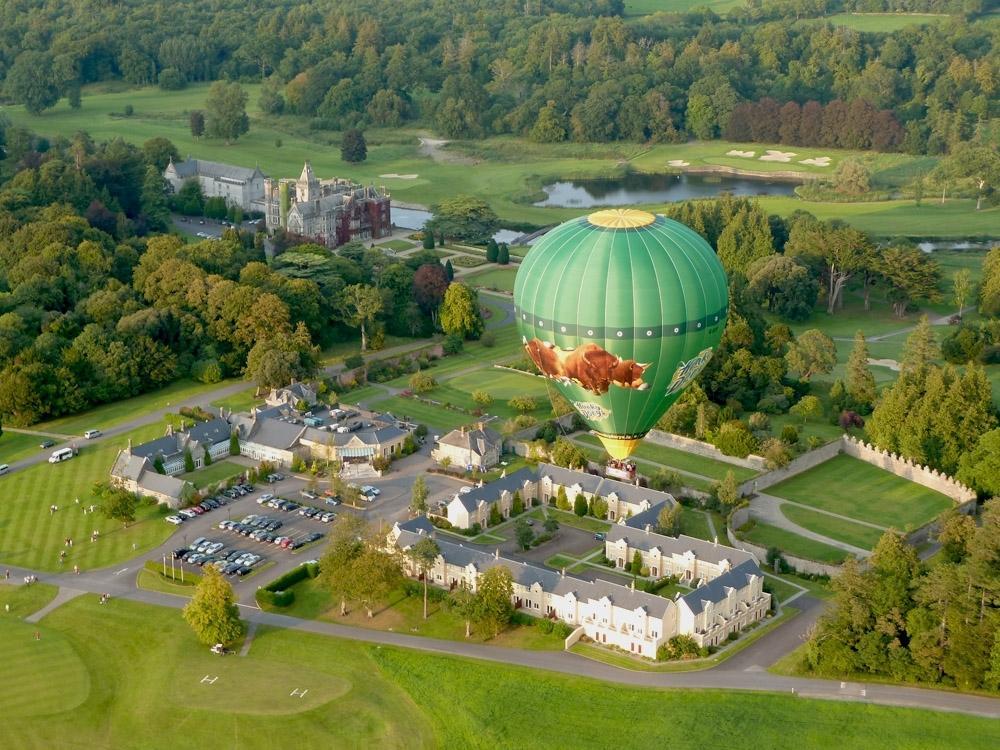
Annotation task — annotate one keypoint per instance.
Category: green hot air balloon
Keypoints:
(621, 309)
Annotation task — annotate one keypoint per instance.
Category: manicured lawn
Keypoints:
(677, 459)
(24, 600)
(502, 385)
(41, 676)
(853, 488)
(32, 537)
(645, 7)
(780, 589)
(242, 401)
(364, 393)
(587, 523)
(397, 245)
(413, 410)
(561, 561)
(821, 429)
(217, 472)
(766, 535)
(695, 523)
(501, 279)
(343, 349)
(849, 532)
(467, 261)
(15, 446)
(151, 581)
(883, 22)
(102, 417)
(405, 614)
(143, 670)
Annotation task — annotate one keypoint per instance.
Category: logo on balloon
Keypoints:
(688, 371)
(593, 412)
(588, 366)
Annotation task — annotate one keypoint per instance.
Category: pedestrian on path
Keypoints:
(76, 569)
(38, 635)
(6, 574)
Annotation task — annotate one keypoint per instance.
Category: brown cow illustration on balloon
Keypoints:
(588, 365)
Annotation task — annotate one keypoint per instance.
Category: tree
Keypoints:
(568, 455)
(361, 304)
(523, 404)
(844, 251)
(190, 200)
(347, 540)
(551, 525)
(197, 123)
(598, 507)
(154, 199)
(668, 520)
(460, 314)
(920, 349)
(580, 505)
(811, 353)
(784, 286)
(517, 504)
(980, 467)
(727, 492)
(430, 283)
(494, 590)
(910, 275)
(464, 218)
(116, 503)
(523, 533)
(492, 250)
(962, 286)
(226, 111)
(449, 270)
(978, 165)
(234, 444)
(636, 566)
(562, 500)
(989, 292)
(495, 516)
(482, 398)
(428, 241)
(957, 532)
(852, 177)
(33, 81)
(373, 574)
(808, 407)
(421, 382)
(550, 126)
(212, 612)
(418, 495)
(353, 147)
(860, 380)
(424, 555)
(159, 151)
(503, 254)
(465, 603)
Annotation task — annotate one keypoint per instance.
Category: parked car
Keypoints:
(186, 513)
(175, 520)
(47, 443)
(371, 491)
(91, 434)
(465, 491)
(179, 552)
(327, 517)
(334, 500)
(599, 536)
(309, 495)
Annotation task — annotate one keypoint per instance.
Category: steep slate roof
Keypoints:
(368, 437)
(527, 575)
(199, 167)
(603, 486)
(491, 492)
(274, 433)
(128, 466)
(678, 545)
(477, 440)
(715, 590)
(211, 432)
(416, 525)
(649, 516)
(161, 484)
(165, 446)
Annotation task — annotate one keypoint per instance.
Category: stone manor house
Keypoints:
(727, 593)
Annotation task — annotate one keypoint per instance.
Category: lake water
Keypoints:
(414, 218)
(635, 188)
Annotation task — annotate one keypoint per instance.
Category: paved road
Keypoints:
(767, 508)
(745, 671)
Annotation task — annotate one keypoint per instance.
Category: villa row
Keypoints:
(542, 485)
(728, 590)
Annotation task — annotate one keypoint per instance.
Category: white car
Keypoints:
(465, 491)
(369, 490)
(175, 520)
(264, 498)
(91, 434)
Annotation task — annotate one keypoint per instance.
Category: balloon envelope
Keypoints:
(621, 310)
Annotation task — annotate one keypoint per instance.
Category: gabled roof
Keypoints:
(678, 545)
(211, 432)
(380, 436)
(274, 433)
(416, 525)
(649, 516)
(128, 466)
(491, 492)
(715, 590)
(603, 486)
(166, 446)
(161, 484)
(477, 440)
(201, 168)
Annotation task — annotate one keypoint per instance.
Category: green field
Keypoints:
(849, 532)
(883, 22)
(242, 401)
(219, 471)
(853, 488)
(509, 171)
(398, 245)
(24, 600)
(766, 535)
(780, 589)
(109, 415)
(501, 279)
(646, 7)
(15, 446)
(415, 411)
(678, 459)
(129, 676)
(32, 537)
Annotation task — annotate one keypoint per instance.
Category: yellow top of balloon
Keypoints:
(621, 218)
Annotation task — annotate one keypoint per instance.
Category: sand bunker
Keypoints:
(744, 154)
(773, 155)
(393, 175)
(890, 363)
(818, 161)
(679, 163)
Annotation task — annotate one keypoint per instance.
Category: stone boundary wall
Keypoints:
(573, 637)
(902, 467)
(701, 448)
(800, 564)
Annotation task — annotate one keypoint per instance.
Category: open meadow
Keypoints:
(506, 171)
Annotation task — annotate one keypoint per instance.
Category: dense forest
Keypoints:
(552, 70)
(97, 305)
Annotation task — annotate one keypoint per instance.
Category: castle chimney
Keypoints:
(130, 445)
(647, 528)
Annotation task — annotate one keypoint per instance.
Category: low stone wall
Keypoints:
(573, 637)
(700, 448)
(796, 466)
(798, 563)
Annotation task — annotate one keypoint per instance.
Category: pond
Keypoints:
(635, 188)
(414, 218)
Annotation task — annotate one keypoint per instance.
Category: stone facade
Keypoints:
(239, 186)
(476, 447)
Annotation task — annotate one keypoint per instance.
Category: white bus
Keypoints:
(63, 454)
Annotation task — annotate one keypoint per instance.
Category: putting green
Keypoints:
(44, 676)
(273, 684)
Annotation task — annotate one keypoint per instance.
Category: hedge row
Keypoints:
(278, 593)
